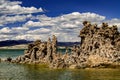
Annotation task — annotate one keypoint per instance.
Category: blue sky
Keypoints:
(40, 19)
(108, 8)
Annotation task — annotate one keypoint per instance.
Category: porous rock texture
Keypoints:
(39, 52)
(100, 47)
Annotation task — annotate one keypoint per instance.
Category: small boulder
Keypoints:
(9, 59)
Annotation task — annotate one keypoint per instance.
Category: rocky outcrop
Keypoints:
(9, 59)
(100, 47)
(54, 44)
(39, 52)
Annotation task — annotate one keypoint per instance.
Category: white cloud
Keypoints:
(14, 7)
(92, 17)
(114, 21)
(39, 31)
(12, 19)
(5, 30)
(71, 20)
(12, 11)
(13, 31)
(31, 37)
(19, 28)
(5, 37)
(32, 24)
(38, 24)
(66, 27)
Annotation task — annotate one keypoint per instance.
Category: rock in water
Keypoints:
(100, 46)
(49, 51)
(9, 59)
(54, 44)
(39, 51)
(101, 41)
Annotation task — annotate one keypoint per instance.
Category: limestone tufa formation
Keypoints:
(100, 47)
(39, 52)
(100, 44)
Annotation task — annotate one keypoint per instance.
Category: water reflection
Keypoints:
(96, 74)
(9, 71)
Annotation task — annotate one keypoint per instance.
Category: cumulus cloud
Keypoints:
(20, 28)
(5, 37)
(71, 20)
(13, 31)
(39, 31)
(66, 27)
(31, 37)
(12, 19)
(12, 11)
(5, 30)
(114, 21)
(14, 7)
(37, 24)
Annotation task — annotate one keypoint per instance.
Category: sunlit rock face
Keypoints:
(39, 51)
(101, 42)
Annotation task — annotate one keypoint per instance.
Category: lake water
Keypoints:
(10, 71)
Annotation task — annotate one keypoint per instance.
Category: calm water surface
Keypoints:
(10, 71)
(5, 53)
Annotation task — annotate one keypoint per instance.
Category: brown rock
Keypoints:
(58, 63)
(9, 59)
(102, 42)
(0, 59)
(99, 46)
(49, 57)
(54, 44)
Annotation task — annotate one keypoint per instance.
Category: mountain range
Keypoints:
(19, 42)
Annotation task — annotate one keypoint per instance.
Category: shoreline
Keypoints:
(46, 65)
(23, 46)
(13, 47)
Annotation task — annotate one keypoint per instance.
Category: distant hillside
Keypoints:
(20, 42)
(20, 46)
(68, 43)
(13, 42)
